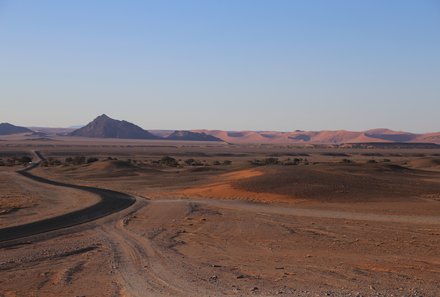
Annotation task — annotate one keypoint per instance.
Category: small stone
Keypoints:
(216, 265)
(241, 276)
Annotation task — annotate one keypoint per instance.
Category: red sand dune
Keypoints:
(322, 137)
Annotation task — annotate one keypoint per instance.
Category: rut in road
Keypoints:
(142, 267)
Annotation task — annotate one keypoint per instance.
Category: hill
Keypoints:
(8, 129)
(106, 127)
(193, 136)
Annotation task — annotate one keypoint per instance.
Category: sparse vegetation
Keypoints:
(15, 161)
(92, 159)
(193, 162)
(276, 161)
(332, 154)
(168, 161)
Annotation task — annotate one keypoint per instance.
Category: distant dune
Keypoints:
(323, 137)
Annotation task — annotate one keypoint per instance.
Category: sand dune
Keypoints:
(322, 137)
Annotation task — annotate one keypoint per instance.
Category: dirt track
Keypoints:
(110, 202)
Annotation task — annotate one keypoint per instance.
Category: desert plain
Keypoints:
(218, 219)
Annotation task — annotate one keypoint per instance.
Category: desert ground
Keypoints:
(217, 219)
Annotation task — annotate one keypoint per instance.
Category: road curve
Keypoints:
(110, 202)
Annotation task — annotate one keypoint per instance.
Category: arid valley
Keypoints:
(220, 148)
(218, 219)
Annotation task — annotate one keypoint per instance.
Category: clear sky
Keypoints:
(224, 64)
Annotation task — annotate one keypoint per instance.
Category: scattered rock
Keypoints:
(216, 265)
(241, 276)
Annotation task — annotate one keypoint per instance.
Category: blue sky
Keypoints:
(225, 64)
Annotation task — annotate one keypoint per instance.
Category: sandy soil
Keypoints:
(23, 200)
(230, 248)
(324, 229)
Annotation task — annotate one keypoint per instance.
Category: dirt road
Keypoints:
(110, 202)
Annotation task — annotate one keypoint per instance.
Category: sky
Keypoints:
(222, 64)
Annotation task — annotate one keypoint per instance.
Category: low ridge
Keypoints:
(194, 136)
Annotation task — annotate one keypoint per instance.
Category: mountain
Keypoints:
(193, 136)
(106, 127)
(8, 129)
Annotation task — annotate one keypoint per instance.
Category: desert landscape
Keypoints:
(83, 216)
(220, 148)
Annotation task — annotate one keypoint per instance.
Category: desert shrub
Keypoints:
(372, 161)
(194, 162)
(296, 161)
(216, 163)
(386, 160)
(227, 162)
(53, 162)
(68, 160)
(331, 154)
(25, 160)
(267, 161)
(17, 160)
(256, 162)
(91, 160)
(79, 160)
(189, 161)
(2, 163)
(168, 161)
(290, 161)
(271, 161)
(347, 161)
